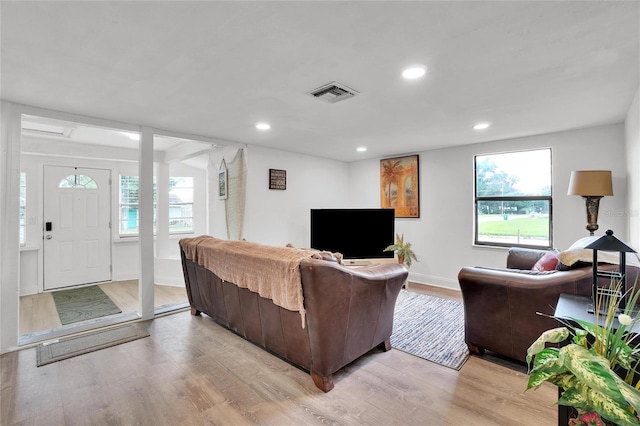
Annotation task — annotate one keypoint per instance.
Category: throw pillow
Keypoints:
(548, 262)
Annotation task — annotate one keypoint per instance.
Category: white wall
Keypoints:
(279, 217)
(632, 143)
(443, 235)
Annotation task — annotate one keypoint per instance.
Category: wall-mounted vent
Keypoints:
(333, 92)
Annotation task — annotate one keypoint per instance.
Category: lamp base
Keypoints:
(593, 204)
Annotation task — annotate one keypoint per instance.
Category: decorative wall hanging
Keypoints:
(277, 179)
(399, 185)
(235, 203)
(222, 181)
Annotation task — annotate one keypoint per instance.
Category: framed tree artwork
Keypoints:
(399, 185)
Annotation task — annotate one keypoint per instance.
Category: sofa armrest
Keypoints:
(523, 258)
(349, 311)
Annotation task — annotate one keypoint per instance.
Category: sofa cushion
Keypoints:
(548, 262)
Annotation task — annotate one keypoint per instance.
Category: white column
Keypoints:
(10, 123)
(162, 212)
(145, 167)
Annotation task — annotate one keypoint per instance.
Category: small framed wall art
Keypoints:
(399, 185)
(277, 179)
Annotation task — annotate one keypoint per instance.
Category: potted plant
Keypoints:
(403, 250)
(597, 371)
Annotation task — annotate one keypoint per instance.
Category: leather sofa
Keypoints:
(506, 309)
(349, 311)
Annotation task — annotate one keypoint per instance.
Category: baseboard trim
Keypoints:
(434, 281)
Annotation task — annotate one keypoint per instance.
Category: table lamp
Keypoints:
(592, 185)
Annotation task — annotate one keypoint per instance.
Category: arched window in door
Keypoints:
(78, 181)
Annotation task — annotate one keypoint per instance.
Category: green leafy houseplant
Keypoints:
(403, 250)
(598, 369)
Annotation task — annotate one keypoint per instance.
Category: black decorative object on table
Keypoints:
(609, 243)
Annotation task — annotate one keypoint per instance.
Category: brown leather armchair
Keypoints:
(501, 305)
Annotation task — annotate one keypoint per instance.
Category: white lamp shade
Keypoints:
(594, 183)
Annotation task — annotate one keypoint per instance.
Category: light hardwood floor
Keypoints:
(38, 311)
(192, 371)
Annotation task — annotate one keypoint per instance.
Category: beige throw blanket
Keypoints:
(272, 272)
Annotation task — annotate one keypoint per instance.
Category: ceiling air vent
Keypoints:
(333, 92)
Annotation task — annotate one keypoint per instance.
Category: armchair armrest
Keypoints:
(501, 305)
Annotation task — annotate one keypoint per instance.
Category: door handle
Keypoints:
(48, 237)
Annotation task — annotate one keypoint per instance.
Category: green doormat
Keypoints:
(80, 304)
(58, 350)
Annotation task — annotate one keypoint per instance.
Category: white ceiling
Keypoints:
(215, 68)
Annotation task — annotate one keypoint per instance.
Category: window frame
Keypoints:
(172, 204)
(155, 207)
(511, 198)
(121, 205)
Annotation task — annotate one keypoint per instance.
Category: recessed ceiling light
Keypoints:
(361, 149)
(414, 72)
(263, 126)
(481, 126)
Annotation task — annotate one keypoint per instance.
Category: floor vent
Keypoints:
(333, 92)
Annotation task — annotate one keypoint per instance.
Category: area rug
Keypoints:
(85, 303)
(57, 350)
(431, 328)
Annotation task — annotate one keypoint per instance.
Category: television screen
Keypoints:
(356, 233)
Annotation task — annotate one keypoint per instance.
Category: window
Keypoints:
(78, 181)
(23, 207)
(513, 199)
(180, 204)
(129, 197)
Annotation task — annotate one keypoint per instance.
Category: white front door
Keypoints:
(77, 235)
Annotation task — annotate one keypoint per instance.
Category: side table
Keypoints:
(575, 307)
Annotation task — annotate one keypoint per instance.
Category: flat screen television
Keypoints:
(356, 233)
